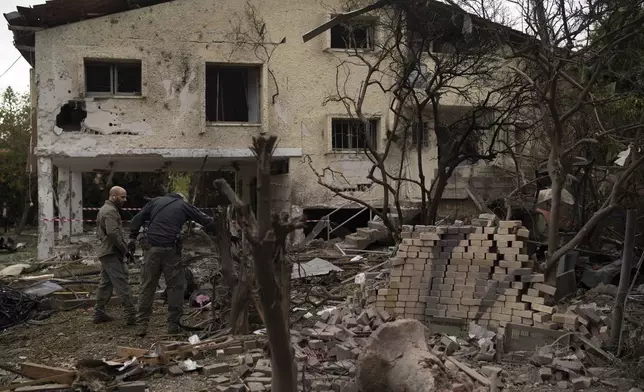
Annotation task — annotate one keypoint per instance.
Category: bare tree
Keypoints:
(267, 235)
(441, 67)
(564, 58)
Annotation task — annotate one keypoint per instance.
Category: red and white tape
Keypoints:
(71, 220)
(137, 209)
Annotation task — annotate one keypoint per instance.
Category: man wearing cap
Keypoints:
(112, 253)
(165, 215)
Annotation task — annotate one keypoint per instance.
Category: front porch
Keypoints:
(61, 211)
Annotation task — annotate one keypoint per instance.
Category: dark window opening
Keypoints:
(71, 116)
(358, 34)
(420, 134)
(232, 94)
(113, 78)
(352, 135)
(280, 166)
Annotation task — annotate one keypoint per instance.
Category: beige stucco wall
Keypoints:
(174, 41)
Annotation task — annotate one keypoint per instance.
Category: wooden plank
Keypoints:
(37, 371)
(60, 378)
(470, 372)
(139, 353)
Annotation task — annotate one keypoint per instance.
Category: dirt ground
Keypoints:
(67, 337)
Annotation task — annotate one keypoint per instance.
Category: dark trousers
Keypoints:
(158, 260)
(114, 277)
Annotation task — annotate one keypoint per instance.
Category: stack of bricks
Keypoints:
(477, 272)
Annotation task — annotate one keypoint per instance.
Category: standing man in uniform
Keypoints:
(112, 253)
(166, 216)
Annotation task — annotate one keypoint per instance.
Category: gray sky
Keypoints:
(18, 76)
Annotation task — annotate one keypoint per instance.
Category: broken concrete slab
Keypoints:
(315, 267)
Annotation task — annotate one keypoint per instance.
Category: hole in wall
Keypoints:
(71, 116)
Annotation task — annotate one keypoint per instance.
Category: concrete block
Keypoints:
(545, 374)
(232, 350)
(580, 383)
(136, 386)
(217, 368)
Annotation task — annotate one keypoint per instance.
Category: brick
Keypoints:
(517, 305)
(483, 263)
(533, 293)
(544, 288)
(510, 264)
(501, 277)
(509, 224)
(565, 318)
(538, 278)
(508, 251)
(523, 313)
(541, 317)
(519, 271)
(450, 301)
(533, 300)
(507, 291)
(523, 233)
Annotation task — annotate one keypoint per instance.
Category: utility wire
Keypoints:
(11, 66)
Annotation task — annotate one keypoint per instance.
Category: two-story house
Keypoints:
(149, 85)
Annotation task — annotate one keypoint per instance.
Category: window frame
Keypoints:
(425, 137)
(373, 37)
(259, 70)
(353, 150)
(113, 65)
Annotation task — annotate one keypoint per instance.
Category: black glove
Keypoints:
(131, 246)
(210, 227)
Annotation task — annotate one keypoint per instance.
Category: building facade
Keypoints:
(158, 85)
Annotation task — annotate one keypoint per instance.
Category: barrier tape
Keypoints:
(139, 208)
(71, 220)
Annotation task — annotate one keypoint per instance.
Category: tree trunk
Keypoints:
(267, 234)
(557, 177)
(27, 206)
(239, 285)
(441, 184)
(271, 270)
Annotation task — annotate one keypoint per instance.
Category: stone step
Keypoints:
(357, 241)
(367, 232)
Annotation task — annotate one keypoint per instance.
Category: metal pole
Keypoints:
(328, 228)
(622, 291)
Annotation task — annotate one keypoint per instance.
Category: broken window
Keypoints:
(355, 34)
(113, 77)
(279, 166)
(420, 134)
(232, 93)
(352, 134)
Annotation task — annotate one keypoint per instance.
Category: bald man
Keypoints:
(112, 252)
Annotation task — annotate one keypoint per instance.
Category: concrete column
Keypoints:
(64, 204)
(45, 208)
(77, 202)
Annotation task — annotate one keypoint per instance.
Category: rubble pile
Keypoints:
(476, 272)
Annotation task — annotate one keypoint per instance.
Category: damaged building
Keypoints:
(153, 85)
